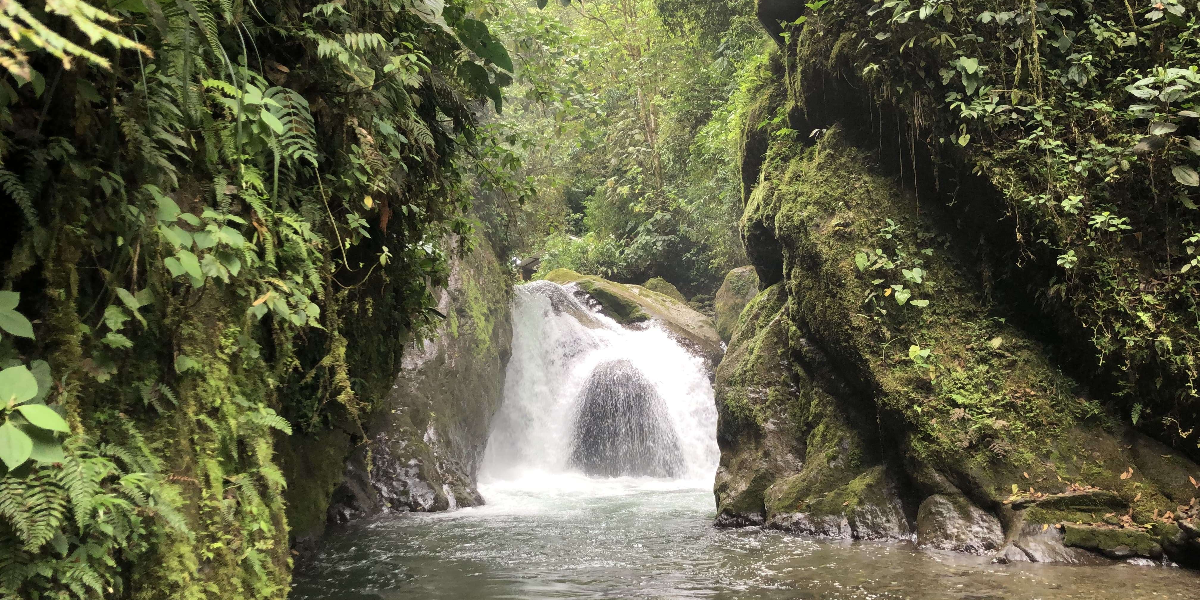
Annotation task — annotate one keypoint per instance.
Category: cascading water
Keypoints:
(586, 395)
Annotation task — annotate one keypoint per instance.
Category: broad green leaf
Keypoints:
(1193, 144)
(16, 323)
(44, 417)
(46, 449)
(168, 210)
(116, 340)
(919, 303)
(9, 300)
(190, 264)
(205, 239)
(17, 385)
(132, 303)
(1186, 175)
(970, 65)
(15, 446)
(271, 122)
(173, 266)
(45, 380)
(185, 363)
(902, 296)
(862, 261)
(190, 219)
(1161, 128)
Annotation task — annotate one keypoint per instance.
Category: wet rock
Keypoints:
(954, 523)
(423, 445)
(1112, 542)
(634, 306)
(622, 426)
(1043, 543)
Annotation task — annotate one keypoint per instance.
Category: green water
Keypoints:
(566, 536)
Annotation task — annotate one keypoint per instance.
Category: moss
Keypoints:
(664, 287)
(1118, 543)
(739, 287)
(314, 465)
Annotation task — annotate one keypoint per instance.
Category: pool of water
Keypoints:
(568, 536)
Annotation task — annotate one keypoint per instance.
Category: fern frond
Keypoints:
(12, 185)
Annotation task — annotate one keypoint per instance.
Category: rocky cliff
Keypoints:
(421, 447)
(887, 382)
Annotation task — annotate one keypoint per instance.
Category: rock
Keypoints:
(426, 440)
(664, 287)
(954, 523)
(1042, 543)
(835, 368)
(631, 305)
(622, 427)
(738, 289)
(1112, 542)
(868, 507)
(771, 13)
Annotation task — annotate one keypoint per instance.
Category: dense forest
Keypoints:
(229, 224)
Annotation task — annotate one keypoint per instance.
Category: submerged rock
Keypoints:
(622, 426)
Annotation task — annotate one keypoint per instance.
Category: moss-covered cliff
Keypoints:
(895, 378)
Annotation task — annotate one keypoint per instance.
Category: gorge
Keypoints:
(617, 298)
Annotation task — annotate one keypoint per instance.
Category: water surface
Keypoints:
(564, 536)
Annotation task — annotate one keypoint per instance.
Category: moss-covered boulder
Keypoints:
(664, 287)
(791, 457)
(739, 287)
(881, 369)
(635, 305)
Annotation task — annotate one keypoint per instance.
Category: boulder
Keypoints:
(634, 306)
(664, 287)
(621, 426)
(954, 523)
(740, 286)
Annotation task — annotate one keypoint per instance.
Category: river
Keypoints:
(550, 531)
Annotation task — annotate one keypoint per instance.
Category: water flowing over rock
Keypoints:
(622, 426)
(584, 392)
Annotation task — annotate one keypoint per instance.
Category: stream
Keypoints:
(549, 530)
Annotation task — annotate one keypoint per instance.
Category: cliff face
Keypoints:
(423, 443)
(882, 386)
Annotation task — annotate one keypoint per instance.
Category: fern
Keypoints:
(267, 418)
(11, 184)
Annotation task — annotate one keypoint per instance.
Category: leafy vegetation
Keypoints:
(622, 114)
(1080, 119)
(211, 199)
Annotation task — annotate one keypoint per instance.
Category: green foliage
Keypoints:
(201, 212)
(620, 118)
(1082, 117)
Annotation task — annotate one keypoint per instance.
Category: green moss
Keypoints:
(740, 286)
(1112, 541)
(315, 466)
(664, 287)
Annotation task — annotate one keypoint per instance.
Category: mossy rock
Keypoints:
(664, 287)
(634, 305)
(1112, 542)
(740, 286)
(891, 343)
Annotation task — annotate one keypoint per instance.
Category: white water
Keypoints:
(553, 355)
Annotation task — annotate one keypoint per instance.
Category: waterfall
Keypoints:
(584, 395)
